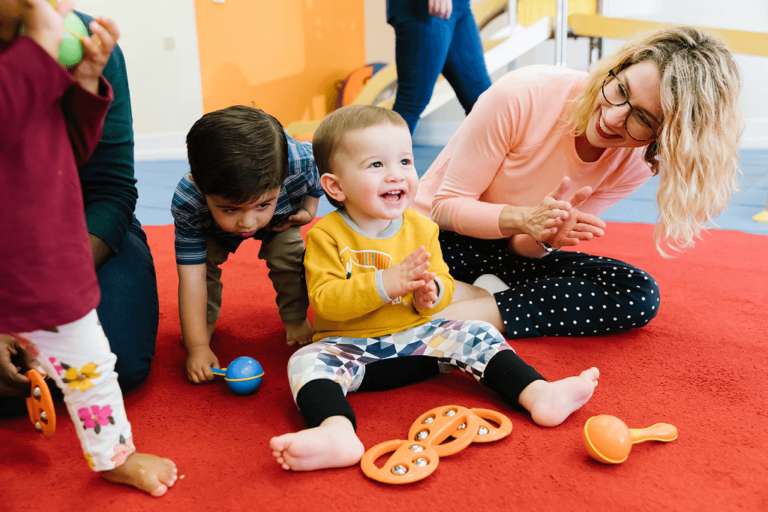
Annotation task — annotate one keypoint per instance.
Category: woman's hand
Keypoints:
(441, 9)
(45, 25)
(98, 49)
(579, 227)
(544, 221)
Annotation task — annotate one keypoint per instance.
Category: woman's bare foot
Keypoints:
(148, 473)
(550, 403)
(334, 444)
(298, 331)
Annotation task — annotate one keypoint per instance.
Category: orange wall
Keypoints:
(283, 56)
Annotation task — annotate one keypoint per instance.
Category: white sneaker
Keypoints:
(490, 283)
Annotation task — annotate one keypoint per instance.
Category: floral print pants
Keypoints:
(78, 358)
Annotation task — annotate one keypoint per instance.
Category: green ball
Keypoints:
(71, 49)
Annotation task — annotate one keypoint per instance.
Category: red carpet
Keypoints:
(700, 365)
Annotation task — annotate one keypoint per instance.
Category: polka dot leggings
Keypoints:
(562, 294)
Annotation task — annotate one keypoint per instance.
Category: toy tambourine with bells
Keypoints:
(40, 405)
(437, 433)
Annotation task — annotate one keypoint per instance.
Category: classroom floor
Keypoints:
(157, 181)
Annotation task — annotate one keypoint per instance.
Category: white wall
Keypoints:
(159, 40)
(749, 15)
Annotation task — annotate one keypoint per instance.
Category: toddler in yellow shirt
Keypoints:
(376, 278)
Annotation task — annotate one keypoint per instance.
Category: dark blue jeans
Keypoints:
(128, 311)
(426, 46)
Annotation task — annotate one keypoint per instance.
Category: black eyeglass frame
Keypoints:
(612, 74)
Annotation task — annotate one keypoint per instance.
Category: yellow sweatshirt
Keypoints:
(343, 269)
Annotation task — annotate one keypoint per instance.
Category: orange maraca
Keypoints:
(609, 440)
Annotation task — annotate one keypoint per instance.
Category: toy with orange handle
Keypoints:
(609, 440)
(40, 405)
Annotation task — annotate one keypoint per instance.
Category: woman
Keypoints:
(663, 105)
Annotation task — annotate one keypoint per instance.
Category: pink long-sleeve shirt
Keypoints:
(514, 148)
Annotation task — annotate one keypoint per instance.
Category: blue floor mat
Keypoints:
(157, 181)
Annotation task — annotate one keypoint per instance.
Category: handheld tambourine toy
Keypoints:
(40, 405)
(609, 440)
(417, 457)
(243, 375)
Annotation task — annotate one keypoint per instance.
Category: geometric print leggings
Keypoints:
(321, 374)
(561, 294)
(463, 344)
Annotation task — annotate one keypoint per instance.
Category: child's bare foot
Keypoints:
(333, 444)
(298, 331)
(550, 403)
(148, 473)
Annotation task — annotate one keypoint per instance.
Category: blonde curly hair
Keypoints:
(696, 152)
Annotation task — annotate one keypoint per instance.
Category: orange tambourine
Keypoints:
(437, 433)
(40, 405)
(488, 432)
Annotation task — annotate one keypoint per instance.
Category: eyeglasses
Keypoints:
(636, 123)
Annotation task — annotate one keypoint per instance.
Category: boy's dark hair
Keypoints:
(239, 153)
(330, 134)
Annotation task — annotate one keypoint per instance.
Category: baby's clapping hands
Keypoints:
(408, 275)
(425, 296)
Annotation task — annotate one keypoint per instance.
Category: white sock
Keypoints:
(490, 283)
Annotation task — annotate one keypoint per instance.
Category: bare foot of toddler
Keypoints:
(550, 403)
(298, 331)
(333, 444)
(148, 473)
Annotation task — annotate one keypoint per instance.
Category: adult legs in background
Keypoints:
(426, 46)
(465, 62)
(129, 310)
(562, 294)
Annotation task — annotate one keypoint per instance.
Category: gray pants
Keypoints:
(284, 257)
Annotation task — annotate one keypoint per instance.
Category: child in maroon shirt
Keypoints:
(51, 122)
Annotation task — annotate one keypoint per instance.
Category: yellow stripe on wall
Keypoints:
(529, 11)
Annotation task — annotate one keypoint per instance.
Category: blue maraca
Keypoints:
(243, 375)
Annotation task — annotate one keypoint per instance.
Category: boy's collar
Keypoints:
(391, 230)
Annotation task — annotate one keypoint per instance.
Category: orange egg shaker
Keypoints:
(437, 433)
(609, 440)
(40, 405)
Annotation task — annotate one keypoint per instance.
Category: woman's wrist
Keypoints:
(512, 220)
(524, 245)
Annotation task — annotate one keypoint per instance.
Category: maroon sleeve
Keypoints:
(84, 114)
(30, 82)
